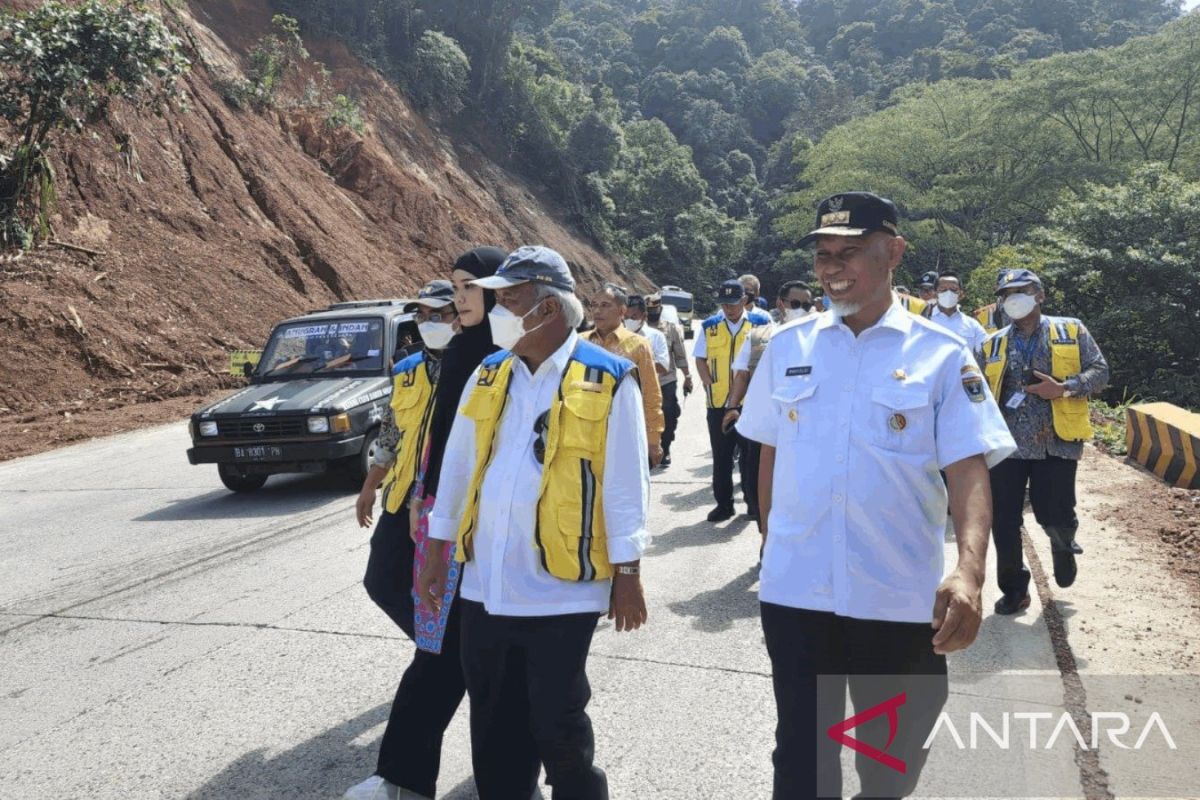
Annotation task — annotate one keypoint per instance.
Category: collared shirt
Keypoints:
(1032, 424)
(506, 574)
(642, 358)
(658, 344)
(861, 426)
(675, 348)
(967, 327)
(700, 350)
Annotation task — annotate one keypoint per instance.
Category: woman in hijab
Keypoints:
(432, 687)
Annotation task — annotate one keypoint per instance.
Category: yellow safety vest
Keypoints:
(570, 534)
(412, 408)
(1071, 422)
(915, 305)
(989, 317)
(722, 347)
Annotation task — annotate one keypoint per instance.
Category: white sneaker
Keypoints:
(373, 788)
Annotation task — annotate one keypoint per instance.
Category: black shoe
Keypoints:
(1011, 604)
(1065, 569)
(666, 461)
(1076, 549)
(720, 514)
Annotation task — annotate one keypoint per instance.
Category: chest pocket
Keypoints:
(901, 420)
(797, 409)
(584, 415)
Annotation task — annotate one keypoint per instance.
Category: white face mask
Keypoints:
(436, 335)
(508, 328)
(634, 325)
(794, 313)
(948, 299)
(1019, 306)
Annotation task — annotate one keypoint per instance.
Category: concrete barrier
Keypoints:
(1165, 439)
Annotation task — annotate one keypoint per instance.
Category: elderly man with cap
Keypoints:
(609, 308)
(927, 287)
(669, 381)
(545, 488)
(857, 410)
(716, 348)
(1041, 371)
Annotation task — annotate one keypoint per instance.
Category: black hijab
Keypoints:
(464, 354)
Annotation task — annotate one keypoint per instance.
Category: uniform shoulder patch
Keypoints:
(972, 382)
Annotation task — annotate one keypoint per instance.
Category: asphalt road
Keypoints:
(163, 638)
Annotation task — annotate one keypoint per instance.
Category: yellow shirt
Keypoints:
(627, 344)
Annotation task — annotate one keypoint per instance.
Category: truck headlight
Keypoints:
(208, 428)
(318, 424)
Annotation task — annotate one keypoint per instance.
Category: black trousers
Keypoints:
(1051, 483)
(529, 692)
(724, 447)
(671, 411)
(878, 660)
(432, 687)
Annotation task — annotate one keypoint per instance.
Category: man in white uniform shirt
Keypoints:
(948, 315)
(857, 410)
(545, 490)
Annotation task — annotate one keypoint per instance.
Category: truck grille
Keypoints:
(262, 428)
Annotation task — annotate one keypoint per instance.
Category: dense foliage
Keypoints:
(59, 66)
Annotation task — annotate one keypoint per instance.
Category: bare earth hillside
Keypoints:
(212, 223)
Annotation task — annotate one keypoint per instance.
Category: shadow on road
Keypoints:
(280, 497)
(324, 766)
(716, 609)
(700, 534)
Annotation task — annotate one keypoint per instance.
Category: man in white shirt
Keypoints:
(544, 489)
(948, 315)
(635, 321)
(857, 410)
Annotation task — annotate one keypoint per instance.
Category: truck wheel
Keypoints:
(239, 481)
(362, 465)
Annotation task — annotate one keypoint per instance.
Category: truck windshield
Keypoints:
(681, 302)
(331, 347)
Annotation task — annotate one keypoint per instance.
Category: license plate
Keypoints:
(257, 453)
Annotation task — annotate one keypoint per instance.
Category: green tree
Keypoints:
(439, 73)
(1124, 258)
(60, 65)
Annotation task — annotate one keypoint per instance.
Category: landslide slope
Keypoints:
(213, 223)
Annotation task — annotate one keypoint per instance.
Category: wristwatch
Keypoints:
(1068, 393)
(625, 569)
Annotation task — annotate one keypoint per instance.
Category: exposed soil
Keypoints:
(214, 223)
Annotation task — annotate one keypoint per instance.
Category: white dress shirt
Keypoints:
(964, 325)
(506, 574)
(861, 426)
(701, 348)
(658, 345)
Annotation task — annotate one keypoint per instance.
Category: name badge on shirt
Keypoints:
(1016, 401)
(588, 386)
(794, 371)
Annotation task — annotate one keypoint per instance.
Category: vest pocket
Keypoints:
(584, 419)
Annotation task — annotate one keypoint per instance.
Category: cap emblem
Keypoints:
(835, 218)
(835, 203)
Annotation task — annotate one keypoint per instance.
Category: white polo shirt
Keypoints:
(861, 426)
(506, 574)
(659, 348)
(964, 325)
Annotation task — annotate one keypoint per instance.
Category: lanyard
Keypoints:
(1028, 349)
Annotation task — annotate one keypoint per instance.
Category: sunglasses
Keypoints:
(438, 316)
(540, 427)
(799, 303)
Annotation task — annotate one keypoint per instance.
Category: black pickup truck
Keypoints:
(316, 396)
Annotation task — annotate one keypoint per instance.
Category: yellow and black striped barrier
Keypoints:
(1165, 439)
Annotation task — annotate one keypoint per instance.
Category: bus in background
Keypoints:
(682, 301)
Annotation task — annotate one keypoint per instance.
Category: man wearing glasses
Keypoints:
(545, 487)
